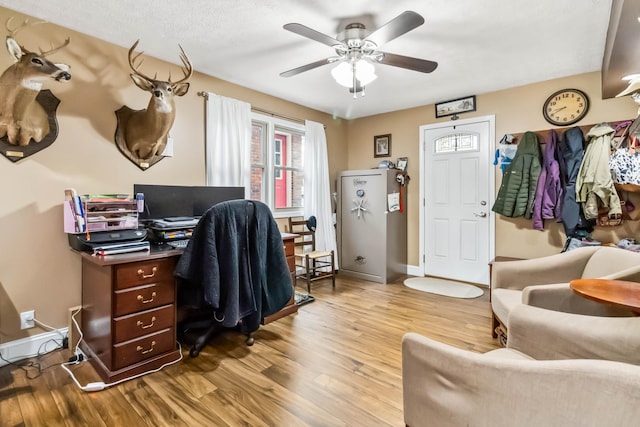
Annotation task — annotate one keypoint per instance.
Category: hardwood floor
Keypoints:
(336, 362)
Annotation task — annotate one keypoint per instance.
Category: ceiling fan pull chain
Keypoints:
(355, 81)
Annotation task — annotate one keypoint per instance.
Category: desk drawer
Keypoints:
(134, 351)
(146, 322)
(140, 273)
(143, 298)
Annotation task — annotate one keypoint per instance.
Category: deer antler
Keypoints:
(187, 70)
(54, 49)
(26, 23)
(132, 61)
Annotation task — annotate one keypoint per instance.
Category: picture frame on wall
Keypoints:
(402, 163)
(382, 145)
(456, 106)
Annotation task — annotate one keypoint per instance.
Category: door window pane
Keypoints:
(456, 142)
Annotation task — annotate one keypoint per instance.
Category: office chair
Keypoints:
(315, 265)
(234, 270)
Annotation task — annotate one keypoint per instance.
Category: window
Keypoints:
(277, 174)
(457, 142)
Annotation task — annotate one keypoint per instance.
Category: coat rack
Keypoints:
(543, 134)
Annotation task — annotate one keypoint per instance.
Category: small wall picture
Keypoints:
(382, 145)
(456, 106)
(402, 163)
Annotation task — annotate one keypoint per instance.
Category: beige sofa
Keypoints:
(538, 380)
(544, 282)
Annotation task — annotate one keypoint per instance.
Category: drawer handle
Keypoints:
(147, 276)
(139, 348)
(143, 326)
(145, 301)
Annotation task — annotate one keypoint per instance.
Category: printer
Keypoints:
(84, 242)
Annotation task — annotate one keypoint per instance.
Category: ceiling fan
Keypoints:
(356, 50)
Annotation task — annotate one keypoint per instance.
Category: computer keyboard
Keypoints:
(179, 244)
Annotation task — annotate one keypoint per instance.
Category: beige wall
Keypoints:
(37, 269)
(516, 110)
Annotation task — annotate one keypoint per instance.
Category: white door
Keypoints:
(457, 183)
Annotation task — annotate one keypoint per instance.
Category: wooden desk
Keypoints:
(129, 309)
(291, 307)
(619, 292)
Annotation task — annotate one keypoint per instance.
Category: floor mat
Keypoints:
(302, 299)
(449, 288)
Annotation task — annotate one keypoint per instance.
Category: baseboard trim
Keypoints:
(23, 348)
(414, 270)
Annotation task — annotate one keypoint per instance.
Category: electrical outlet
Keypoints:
(26, 319)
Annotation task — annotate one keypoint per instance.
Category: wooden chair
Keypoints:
(315, 265)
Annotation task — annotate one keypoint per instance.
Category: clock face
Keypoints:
(565, 107)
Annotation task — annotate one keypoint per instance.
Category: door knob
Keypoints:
(481, 214)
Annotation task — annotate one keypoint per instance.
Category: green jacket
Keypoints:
(518, 189)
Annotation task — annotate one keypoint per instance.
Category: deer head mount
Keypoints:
(142, 135)
(22, 117)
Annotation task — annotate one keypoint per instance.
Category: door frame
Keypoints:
(492, 182)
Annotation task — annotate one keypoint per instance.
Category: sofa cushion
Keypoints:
(503, 301)
(608, 260)
(507, 353)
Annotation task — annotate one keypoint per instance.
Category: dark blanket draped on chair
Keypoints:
(235, 265)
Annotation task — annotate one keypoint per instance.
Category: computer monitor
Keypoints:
(170, 201)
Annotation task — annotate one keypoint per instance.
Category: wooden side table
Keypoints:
(618, 292)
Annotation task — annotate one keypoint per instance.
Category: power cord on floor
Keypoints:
(42, 350)
(28, 365)
(100, 385)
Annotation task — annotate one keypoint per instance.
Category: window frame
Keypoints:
(270, 126)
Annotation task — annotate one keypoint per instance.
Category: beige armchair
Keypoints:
(544, 377)
(544, 282)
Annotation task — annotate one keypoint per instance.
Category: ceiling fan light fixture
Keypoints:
(365, 72)
(343, 73)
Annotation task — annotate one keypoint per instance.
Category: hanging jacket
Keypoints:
(549, 194)
(235, 265)
(572, 151)
(594, 185)
(518, 189)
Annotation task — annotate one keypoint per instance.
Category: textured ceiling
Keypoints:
(481, 45)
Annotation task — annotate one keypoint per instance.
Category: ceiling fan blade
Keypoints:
(415, 64)
(312, 34)
(307, 67)
(399, 25)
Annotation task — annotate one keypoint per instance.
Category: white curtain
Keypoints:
(228, 142)
(317, 187)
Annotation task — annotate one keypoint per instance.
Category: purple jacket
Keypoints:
(549, 194)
